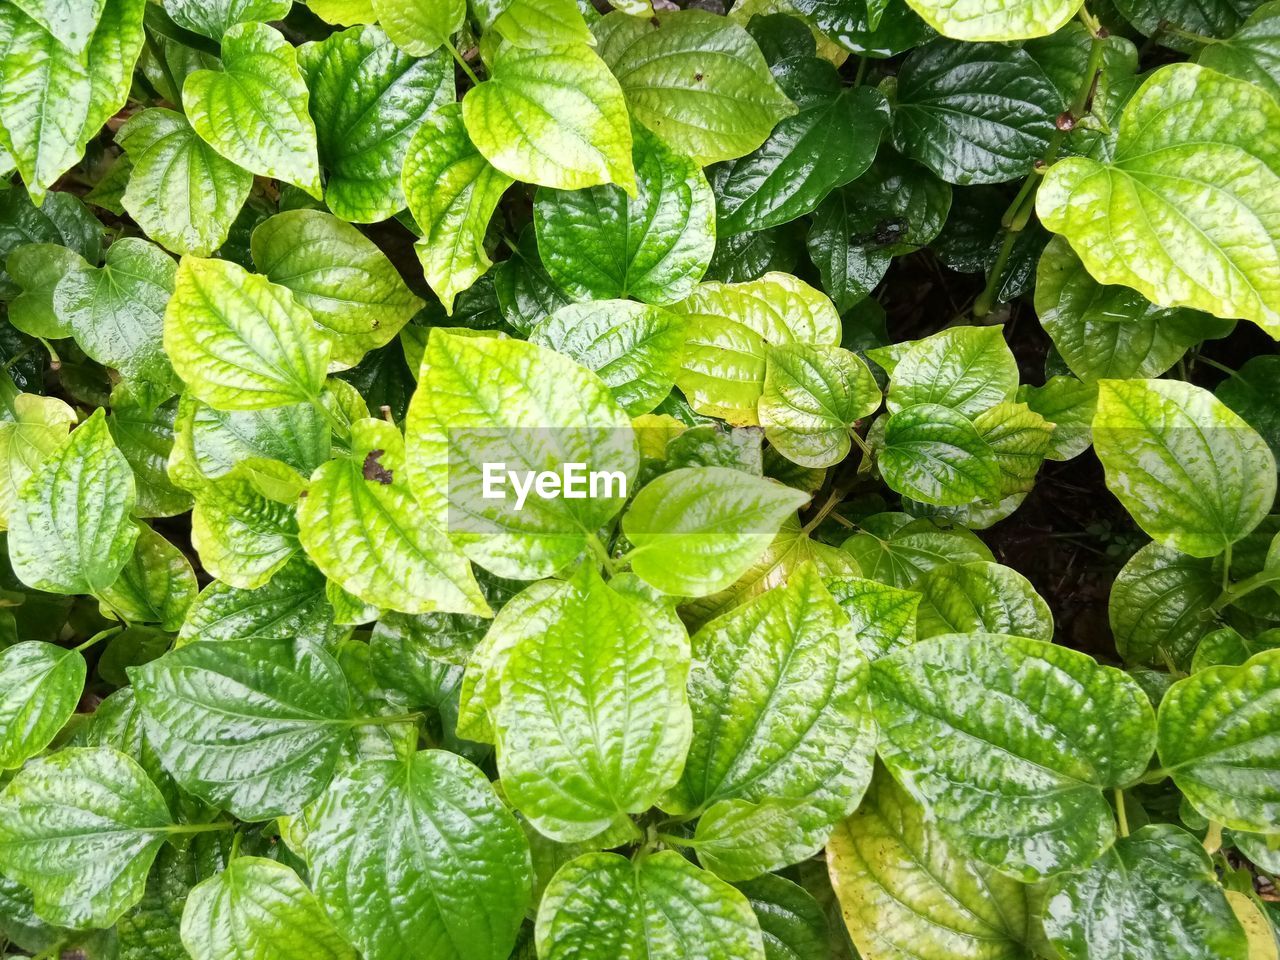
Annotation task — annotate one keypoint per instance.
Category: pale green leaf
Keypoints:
(706, 108)
(632, 347)
(552, 116)
(157, 585)
(239, 341)
(290, 605)
(995, 19)
(350, 287)
(39, 426)
(969, 369)
(1218, 740)
(907, 893)
(1069, 404)
(981, 597)
(883, 617)
(213, 18)
(936, 455)
(730, 327)
(813, 394)
(486, 400)
(1190, 472)
(419, 851)
(40, 685)
(897, 549)
(696, 530)
(258, 909)
(182, 193)
(70, 529)
(80, 828)
(592, 718)
(363, 528)
(1185, 211)
(242, 531)
(419, 27)
(659, 908)
(254, 110)
(534, 23)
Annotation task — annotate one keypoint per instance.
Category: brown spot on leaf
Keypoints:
(373, 470)
(698, 77)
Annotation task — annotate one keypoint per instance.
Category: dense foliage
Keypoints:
(826, 293)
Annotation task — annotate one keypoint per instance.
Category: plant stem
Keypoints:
(1122, 818)
(387, 721)
(461, 61)
(1018, 214)
(1167, 27)
(602, 554)
(1231, 594)
(100, 635)
(1213, 838)
(1209, 361)
(157, 54)
(200, 827)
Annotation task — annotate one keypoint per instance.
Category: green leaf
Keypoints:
(40, 685)
(791, 921)
(452, 191)
(419, 851)
(730, 327)
(182, 193)
(906, 891)
(659, 907)
(258, 909)
(974, 113)
(146, 437)
(244, 533)
(80, 828)
(981, 597)
(56, 99)
(291, 604)
(813, 394)
(599, 243)
(633, 347)
(872, 29)
(883, 617)
(157, 585)
(592, 719)
(1019, 437)
(552, 116)
(1182, 211)
(807, 156)
(781, 721)
(707, 109)
(70, 529)
(62, 219)
(1155, 893)
(151, 931)
(239, 341)
(116, 312)
(968, 369)
(1190, 472)
(1001, 20)
(534, 23)
(475, 394)
(936, 455)
(1253, 393)
(1252, 53)
(253, 726)
(71, 22)
(896, 207)
(1218, 740)
(254, 110)
(361, 526)
(419, 28)
(368, 99)
(1106, 331)
(350, 287)
(38, 268)
(39, 427)
(1159, 605)
(213, 18)
(897, 549)
(1069, 405)
(1212, 18)
(696, 530)
(1009, 744)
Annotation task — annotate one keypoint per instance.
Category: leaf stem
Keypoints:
(1213, 838)
(602, 554)
(1018, 214)
(1122, 818)
(462, 62)
(157, 54)
(100, 635)
(1231, 594)
(214, 827)
(1166, 27)
(388, 720)
(1216, 365)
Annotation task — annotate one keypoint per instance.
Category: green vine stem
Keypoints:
(1018, 214)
